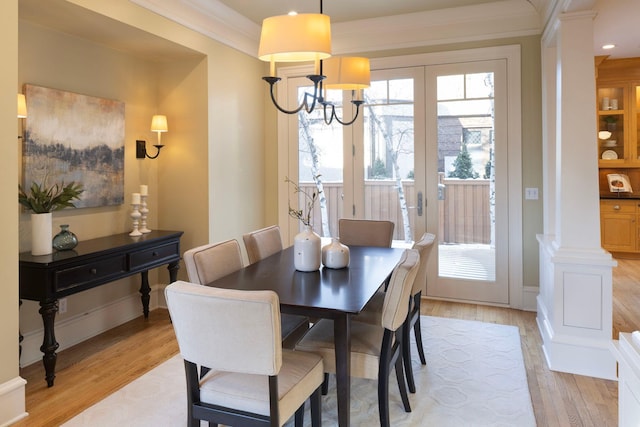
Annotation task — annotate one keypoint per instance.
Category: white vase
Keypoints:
(335, 254)
(41, 234)
(307, 250)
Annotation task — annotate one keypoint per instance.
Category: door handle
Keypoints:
(419, 203)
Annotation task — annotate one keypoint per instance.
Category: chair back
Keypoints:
(226, 329)
(365, 232)
(210, 262)
(424, 246)
(396, 301)
(262, 243)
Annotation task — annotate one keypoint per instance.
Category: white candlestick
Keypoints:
(135, 216)
(143, 212)
(135, 199)
(144, 190)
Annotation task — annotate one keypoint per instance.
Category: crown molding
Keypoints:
(500, 19)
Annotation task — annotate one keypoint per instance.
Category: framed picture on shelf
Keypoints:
(619, 183)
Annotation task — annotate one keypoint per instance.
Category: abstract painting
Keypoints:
(73, 137)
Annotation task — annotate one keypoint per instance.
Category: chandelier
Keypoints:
(307, 37)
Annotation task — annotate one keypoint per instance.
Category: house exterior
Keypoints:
(217, 176)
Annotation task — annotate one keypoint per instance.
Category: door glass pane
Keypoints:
(466, 173)
(389, 155)
(320, 160)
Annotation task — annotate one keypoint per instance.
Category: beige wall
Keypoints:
(208, 179)
(8, 188)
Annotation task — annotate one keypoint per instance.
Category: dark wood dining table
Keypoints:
(331, 294)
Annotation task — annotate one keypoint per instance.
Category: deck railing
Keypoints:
(463, 208)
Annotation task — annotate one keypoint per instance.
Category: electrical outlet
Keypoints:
(531, 194)
(62, 305)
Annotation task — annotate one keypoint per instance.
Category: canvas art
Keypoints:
(73, 137)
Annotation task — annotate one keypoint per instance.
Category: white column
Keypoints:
(575, 301)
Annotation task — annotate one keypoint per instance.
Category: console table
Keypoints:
(92, 263)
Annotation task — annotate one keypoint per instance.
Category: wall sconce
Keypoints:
(22, 110)
(159, 125)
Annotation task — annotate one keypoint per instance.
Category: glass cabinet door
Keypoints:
(611, 124)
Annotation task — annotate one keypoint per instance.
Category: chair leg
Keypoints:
(299, 419)
(418, 331)
(406, 355)
(402, 386)
(325, 384)
(316, 408)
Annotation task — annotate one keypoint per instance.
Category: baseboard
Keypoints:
(12, 401)
(77, 329)
(530, 298)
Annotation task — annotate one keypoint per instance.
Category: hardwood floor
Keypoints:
(96, 368)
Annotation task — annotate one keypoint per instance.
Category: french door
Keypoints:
(467, 180)
(367, 170)
(429, 152)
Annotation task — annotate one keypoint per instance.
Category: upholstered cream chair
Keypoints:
(375, 349)
(365, 232)
(210, 262)
(262, 243)
(249, 379)
(373, 312)
(424, 246)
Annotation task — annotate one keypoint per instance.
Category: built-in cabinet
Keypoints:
(619, 225)
(618, 139)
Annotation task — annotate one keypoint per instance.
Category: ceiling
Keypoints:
(616, 21)
(343, 10)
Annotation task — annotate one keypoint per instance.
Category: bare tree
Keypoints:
(393, 152)
(306, 138)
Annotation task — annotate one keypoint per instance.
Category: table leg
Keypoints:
(173, 268)
(48, 310)
(342, 334)
(145, 290)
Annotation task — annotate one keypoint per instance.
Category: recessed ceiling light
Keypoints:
(608, 46)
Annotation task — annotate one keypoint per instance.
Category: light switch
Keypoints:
(531, 193)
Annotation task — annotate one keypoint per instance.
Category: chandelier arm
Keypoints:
(334, 116)
(316, 79)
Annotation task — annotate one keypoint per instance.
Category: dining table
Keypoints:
(337, 294)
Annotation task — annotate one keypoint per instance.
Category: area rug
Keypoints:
(474, 376)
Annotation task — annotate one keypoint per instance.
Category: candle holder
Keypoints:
(135, 216)
(143, 214)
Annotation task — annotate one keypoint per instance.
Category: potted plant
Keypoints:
(42, 201)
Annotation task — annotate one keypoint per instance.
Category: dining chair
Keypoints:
(210, 262)
(249, 378)
(373, 312)
(262, 243)
(424, 246)
(365, 232)
(375, 349)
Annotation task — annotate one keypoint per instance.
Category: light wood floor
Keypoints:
(96, 368)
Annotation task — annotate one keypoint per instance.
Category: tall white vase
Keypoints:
(307, 250)
(41, 234)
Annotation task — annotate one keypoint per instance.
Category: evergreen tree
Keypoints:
(463, 168)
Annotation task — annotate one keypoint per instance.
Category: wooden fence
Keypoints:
(464, 208)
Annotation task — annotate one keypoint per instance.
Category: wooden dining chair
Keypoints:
(375, 349)
(210, 262)
(249, 378)
(365, 232)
